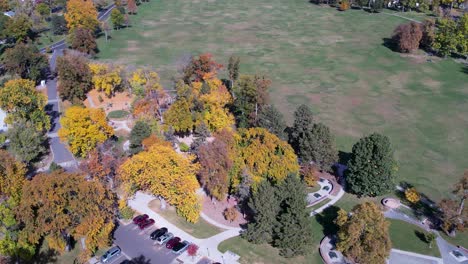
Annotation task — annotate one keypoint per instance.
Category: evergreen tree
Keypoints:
(303, 121)
(265, 205)
(371, 167)
(318, 146)
(140, 131)
(294, 230)
(272, 120)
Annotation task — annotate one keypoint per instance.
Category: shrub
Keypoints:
(407, 37)
(230, 214)
(344, 5)
(310, 175)
(192, 250)
(428, 34)
(183, 147)
(126, 213)
(412, 195)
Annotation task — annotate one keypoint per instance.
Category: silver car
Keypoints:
(164, 238)
(110, 254)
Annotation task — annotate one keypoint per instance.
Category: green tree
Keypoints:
(376, 5)
(26, 143)
(43, 9)
(74, 77)
(318, 145)
(363, 235)
(265, 204)
(294, 229)
(272, 120)
(251, 94)
(59, 25)
(19, 28)
(179, 116)
(233, 69)
(25, 61)
(303, 122)
(117, 18)
(140, 131)
(445, 41)
(20, 100)
(462, 34)
(371, 167)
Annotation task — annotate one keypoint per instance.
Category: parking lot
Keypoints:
(138, 247)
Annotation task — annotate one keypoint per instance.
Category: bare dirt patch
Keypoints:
(120, 101)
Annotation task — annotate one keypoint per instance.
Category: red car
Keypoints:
(139, 219)
(146, 223)
(171, 243)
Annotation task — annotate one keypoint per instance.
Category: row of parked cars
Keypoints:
(162, 236)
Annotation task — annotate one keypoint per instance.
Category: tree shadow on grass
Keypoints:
(44, 257)
(390, 44)
(327, 220)
(421, 236)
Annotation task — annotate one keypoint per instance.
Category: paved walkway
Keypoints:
(213, 222)
(207, 247)
(334, 199)
(323, 183)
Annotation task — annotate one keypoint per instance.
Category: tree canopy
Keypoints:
(81, 14)
(26, 143)
(74, 77)
(371, 167)
(25, 61)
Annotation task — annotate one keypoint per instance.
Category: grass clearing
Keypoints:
(201, 229)
(117, 114)
(333, 61)
(406, 237)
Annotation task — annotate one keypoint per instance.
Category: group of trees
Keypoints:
(454, 213)
(53, 207)
(446, 36)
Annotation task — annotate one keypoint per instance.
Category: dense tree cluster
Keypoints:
(74, 77)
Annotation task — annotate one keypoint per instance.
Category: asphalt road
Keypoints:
(137, 246)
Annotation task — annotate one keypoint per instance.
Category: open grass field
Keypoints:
(333, 61)
(405, 237)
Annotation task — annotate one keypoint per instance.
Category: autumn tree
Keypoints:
(102, 163)
(81, 14)
(272, 120)
(265, 156)
(83, 40)
(140, 131)
(428, 34)
(106, 78)
(60, 204)
(371, 167)
(265, 204)
(200, 68)
(26, 142)
(412, 195)
(19, 28)
(74, 77)
(230, 214)
(145, 82)
(192, 250)
(454, 213)
(408, 37)
(363, 235)
(294, 229)
(25, 61)
(179, 116)
(84, 128)
(251, 94)
(132, 7)
(214, 113)
(157, 169)
(117, 18)
(309, 174)
(445, 41)
(215, 165)
(21, 101)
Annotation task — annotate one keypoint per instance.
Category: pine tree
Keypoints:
(371, 167)
(140, 131)
(318, 145)
(272, 120)
(265, 205)
(303, 121)
(294, 230)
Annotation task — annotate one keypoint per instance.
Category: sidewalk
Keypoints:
(207, 247)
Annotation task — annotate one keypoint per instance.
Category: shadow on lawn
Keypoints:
(327, 220)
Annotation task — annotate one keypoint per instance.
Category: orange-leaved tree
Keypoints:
(162, 171)
(60, 204)
(84, 128)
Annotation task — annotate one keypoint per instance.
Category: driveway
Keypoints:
(137, 245)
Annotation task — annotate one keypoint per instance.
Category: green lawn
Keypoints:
(201, 229)
(460, 239)
(46, 38)
(118, 114)
(317, 206)
(404, 237)
(333, 61)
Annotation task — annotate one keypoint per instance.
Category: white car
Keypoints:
(458, 255)
(164, 238)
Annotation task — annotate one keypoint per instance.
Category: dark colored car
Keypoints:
(180, 247)
(171, 243)
(146, 223)
(140, 218)
(158, 232)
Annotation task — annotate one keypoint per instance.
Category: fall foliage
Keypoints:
(408, 36)
(162, 171)
(412, 195)
(201, 68)
(310, 175)
(74, 77)
(83, 129)
(59, 204)
(83, 40)
(81, 14)
(106, 77)
(12, 176)
(230, 214)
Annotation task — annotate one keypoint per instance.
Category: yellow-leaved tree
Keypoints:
(105, 77)
(412, 195)
(162, 171)
(83, 129)
(145, 81)
(264, 155)
(216, 114)
(81, 14)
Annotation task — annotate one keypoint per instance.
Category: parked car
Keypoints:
(146, 223)
(140, 218)
(164, 238)
(171, 243)
(111, 254)
(180, 247)
(158, 232)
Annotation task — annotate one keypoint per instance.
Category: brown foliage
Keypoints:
(215, 165)
(407, 37)
(428, 34)
(83, 40)
(201, 68)
(453, 219)
(74, 77)
(132, 7)
(154, 140)
(310, 175)
(230, 214)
